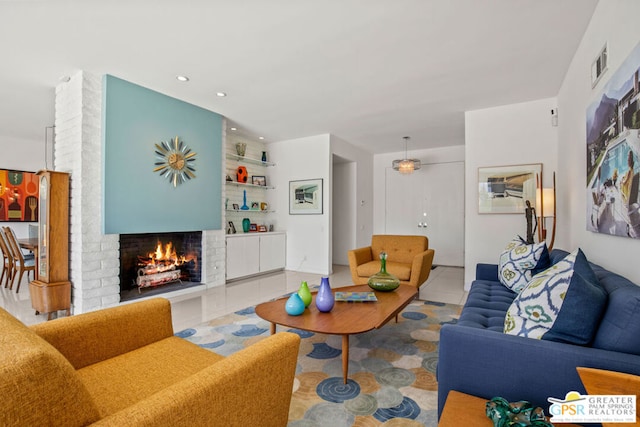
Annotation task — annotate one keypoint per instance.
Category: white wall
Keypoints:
(614, 22)
(363, 203)
(26, 155)
(343, 218)
(308, 236)
(508, 135)
(382, 162)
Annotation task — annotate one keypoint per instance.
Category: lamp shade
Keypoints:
(406, 166)
(549, 202)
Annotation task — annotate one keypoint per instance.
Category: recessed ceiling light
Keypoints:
(221, 94)
(182, 78)
(234, 128)
(261, 137)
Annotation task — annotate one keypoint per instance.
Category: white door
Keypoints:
(429, 202)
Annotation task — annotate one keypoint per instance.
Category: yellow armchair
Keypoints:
(408, 257)
(123, 366)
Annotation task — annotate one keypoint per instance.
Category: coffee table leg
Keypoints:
(345, 357)
(273, 328)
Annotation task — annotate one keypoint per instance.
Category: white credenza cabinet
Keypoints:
(254, 253)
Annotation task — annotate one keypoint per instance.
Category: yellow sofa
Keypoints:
(123, 366)
(408, 257)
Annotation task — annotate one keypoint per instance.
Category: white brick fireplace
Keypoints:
(94, 256)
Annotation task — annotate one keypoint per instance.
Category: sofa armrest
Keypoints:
(357, 257)
(360, 255)
(92, 337)
(487, 363)
(421, 267)
(487, 272)
(252, 387)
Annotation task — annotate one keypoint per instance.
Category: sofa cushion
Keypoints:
(520, 261)
(38, 386)
(401, 270)
(619, 329)
(563, 303)
(486, 306)
(121, 381)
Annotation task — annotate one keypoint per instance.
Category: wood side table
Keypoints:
(462, 409)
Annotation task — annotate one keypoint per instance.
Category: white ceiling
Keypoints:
(367, 71)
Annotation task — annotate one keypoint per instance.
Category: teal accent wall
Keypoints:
(137, 199)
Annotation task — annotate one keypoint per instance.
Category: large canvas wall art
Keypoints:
(19, 195)
(613, 147)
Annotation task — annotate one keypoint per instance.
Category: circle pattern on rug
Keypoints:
(301, 333)
(365, 404)
(335, 390)
(430, 363)
(396, 377)
(324, 351)
(249, 331)
(407, 409)
(414, 315)
(186, 333)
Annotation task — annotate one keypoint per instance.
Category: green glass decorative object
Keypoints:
(305, 294)
(383, 281)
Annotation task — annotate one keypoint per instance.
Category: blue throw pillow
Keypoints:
(563, 303)
(519, 262)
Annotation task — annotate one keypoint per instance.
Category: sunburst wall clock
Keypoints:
(175, 161)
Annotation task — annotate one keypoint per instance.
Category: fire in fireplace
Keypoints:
(163, 266)
(155, 260)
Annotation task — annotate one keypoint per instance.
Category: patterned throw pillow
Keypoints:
(520, 261)
(563, 303)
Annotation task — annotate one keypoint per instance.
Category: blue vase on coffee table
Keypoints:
(324, 298)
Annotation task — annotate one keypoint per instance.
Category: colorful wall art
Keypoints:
(613, 147)
(18, 196)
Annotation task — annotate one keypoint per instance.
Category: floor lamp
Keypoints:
(546, 203)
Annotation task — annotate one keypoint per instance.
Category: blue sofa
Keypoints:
(477, 358)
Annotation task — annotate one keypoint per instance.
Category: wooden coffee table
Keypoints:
(346, 318)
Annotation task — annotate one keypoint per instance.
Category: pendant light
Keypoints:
(406, 165)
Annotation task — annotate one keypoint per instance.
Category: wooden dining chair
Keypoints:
(20, 264)
(7, 260)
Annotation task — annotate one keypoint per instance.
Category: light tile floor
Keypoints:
(445, 284)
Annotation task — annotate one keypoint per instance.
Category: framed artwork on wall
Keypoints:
(613, 153)
(506, 189)
(19, 196)
(305, 197)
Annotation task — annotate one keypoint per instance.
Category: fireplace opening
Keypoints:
(155, 263)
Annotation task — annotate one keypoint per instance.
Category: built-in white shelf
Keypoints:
(249, 160)
(240, 184)
(250, 211)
